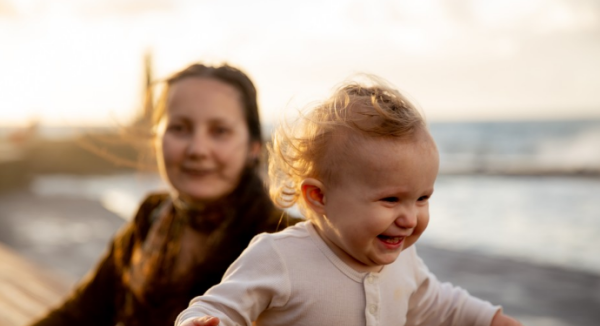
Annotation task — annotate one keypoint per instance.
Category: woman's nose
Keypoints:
(198, 145)
(407, 217)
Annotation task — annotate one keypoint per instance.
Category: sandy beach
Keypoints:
(67, 235)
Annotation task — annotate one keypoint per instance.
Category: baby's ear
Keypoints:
(313, 193)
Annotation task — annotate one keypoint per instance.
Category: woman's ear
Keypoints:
(313, 193)
(254, 152)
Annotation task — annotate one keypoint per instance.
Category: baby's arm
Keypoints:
(436, 303)
(256, 281)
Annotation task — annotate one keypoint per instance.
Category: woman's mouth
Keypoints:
(196, 172)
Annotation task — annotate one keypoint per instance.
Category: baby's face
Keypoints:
(378, 204)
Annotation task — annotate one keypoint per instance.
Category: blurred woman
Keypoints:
(208, 141)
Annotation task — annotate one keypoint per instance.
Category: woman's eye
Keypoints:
(220, 131)
(176, 128)
(390, 199)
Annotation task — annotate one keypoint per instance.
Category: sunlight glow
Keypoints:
(80, 62)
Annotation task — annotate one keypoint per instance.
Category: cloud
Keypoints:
(450, 55)
(24, 9)
(126, 7)
(7, 9)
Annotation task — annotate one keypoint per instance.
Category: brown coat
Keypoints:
(103, 297)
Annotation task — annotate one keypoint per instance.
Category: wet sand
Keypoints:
(536, 294)
(68, 235)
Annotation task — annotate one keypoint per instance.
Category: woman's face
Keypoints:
(202, 141)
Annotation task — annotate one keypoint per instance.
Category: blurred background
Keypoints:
(510, 89)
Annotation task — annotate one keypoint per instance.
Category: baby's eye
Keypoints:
(390, 199)
(423, 198)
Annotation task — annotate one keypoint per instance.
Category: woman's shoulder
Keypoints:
(136, 230)
(154, 199)
(151, 202)
(143, 218)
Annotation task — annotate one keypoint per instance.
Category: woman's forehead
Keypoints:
(197, 98)
(201, 88)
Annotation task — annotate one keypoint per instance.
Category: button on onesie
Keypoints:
(373, 299)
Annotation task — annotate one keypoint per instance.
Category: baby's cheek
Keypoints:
(422, 222)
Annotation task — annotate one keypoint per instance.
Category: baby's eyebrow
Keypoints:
(401, 191)
(392, 191)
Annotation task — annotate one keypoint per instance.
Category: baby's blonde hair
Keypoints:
(309, 147)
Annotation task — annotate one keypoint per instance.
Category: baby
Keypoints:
(361, 166)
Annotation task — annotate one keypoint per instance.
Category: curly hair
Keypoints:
(311, 146)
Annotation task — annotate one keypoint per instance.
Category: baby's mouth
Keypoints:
(390, 239)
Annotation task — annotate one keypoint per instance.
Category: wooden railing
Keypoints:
(27, 290)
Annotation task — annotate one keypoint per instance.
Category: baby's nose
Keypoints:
(407, 218)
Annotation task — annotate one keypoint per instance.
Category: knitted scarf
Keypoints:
(155, 260)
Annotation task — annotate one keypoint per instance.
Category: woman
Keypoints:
(208, 141)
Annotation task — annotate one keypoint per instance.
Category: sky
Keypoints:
(80, 62)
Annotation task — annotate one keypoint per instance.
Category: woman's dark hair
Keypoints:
(229, 75)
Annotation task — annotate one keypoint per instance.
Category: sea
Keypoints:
(526, 190)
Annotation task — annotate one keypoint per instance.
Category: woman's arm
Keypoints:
(93, 301)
